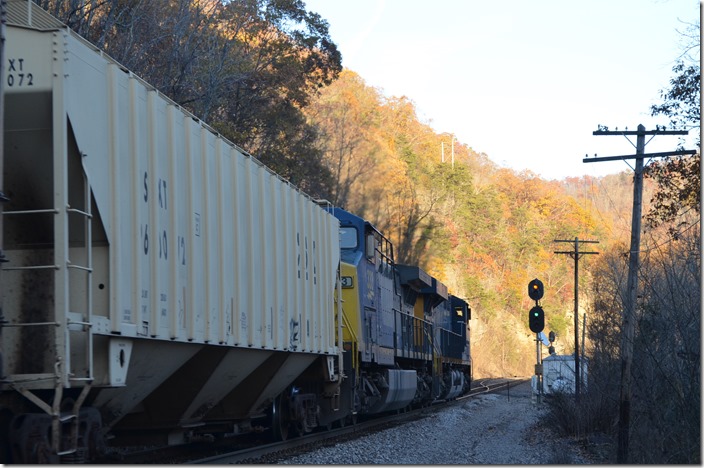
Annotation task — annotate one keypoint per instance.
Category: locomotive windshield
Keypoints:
(348, 238)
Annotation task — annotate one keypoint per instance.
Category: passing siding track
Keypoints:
(258, 451)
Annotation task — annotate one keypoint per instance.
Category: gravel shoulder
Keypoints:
(503, 428)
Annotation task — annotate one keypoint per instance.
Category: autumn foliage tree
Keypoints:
(347, 116)
(484, 231)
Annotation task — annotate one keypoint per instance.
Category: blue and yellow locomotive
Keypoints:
(405, 339)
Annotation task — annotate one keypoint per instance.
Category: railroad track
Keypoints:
(270, 452)
(254, 448)
(492, 385)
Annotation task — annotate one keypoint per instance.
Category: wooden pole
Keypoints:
(630, 304)
(576, 254)
(628, 324)
(577, 377)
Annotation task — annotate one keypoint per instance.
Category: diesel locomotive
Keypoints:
(405, 339)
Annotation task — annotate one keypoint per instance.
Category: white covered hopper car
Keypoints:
(158, 281)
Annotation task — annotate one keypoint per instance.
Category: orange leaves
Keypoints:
(486, 230)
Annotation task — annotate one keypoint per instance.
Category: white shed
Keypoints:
(559, 374)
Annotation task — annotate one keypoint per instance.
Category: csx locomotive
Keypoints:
(405, 339)
(159, 285)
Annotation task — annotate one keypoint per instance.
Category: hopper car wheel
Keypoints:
(41, 454)
(30, 439)
(279, 418)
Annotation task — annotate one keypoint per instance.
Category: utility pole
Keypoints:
(628, 324)
(576, 254)
(442, 151)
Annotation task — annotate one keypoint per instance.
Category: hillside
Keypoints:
(483, 230)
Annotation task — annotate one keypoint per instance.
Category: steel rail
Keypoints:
(317, 439)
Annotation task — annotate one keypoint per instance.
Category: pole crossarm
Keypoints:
(638, 132)
(581, 241)
(571, 254)
(639, 156)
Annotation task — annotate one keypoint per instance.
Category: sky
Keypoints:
(524, 81)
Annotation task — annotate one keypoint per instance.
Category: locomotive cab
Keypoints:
(371, 303)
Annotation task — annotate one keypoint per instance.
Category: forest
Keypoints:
(267, 75)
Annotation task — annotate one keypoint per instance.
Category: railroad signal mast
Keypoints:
(628, 325)
(536, 322)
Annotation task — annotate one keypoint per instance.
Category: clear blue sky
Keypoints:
(525, 82)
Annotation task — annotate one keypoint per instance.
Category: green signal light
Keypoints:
(536, 319)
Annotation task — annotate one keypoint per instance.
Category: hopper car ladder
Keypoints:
(68, 327)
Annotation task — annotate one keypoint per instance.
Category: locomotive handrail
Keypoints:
(348, 325)
(431, 338)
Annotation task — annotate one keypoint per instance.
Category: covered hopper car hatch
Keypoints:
(161, 285)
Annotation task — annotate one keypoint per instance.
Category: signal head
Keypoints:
(536, 319)
(535, 289)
